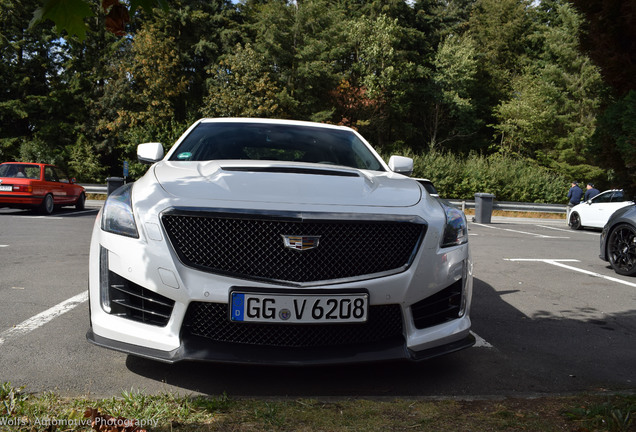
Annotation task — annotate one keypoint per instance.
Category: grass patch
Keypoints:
(536, 215)
(96, 196)
(21, 411)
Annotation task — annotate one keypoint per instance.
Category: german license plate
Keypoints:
(291, 308)
(6, 188)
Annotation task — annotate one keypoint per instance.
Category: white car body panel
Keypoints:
(151, 262)
(208, 180)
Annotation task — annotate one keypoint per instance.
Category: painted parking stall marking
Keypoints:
(42, 318)
(568, 230)
(480, 342)
(521, 232)
(40, 217)
(560, 263)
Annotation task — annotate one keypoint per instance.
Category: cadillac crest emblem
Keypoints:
(300, 243)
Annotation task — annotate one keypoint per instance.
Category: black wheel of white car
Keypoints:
(621, 250)
(575, 221)
(47, 205)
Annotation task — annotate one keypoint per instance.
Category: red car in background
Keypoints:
(38, 186)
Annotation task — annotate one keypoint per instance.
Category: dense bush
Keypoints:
(508, 178)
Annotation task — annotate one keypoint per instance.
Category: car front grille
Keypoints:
(211, 321)
(439, 308)
(253, 248)
(131, 301)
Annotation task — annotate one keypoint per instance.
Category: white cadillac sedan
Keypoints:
(595, 212)
(278, 242)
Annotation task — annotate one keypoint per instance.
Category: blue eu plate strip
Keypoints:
(238, 302)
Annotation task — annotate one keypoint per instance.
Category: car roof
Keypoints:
(271, 121)
(26, 163)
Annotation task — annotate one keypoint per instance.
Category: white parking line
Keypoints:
(4, 245)
(569, 230)
(59, 217)
(40, 217)
(480, 342)
(40, 319)
(559, 263)
(520, 232)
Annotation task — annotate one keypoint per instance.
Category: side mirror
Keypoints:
(149, 153)
(401, 165)
(72, 180)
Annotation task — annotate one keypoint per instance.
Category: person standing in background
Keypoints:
(591, 192)
(574, 197)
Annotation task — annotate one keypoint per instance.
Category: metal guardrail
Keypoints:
(515, 206)
(95, 188)
(497, 205)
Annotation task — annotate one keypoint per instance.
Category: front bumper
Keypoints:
(195, 349)
(148, 269)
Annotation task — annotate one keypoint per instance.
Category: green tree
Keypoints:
(87, 72)
(36, 107)
(320, 48)
(305, 49)
(143, 98)
(452, 115)
(385, 73)
(610, 40)
(241, 85)
(202, 32)
(614, 143)
(552, 113)
(71, 16)
(500, 30)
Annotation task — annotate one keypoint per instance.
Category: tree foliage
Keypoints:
(453, 114)
(555, 100)
(242, 85)
(549, 82)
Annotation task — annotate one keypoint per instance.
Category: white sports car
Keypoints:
(278, 242)
(595, 212)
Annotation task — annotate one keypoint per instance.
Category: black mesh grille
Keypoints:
(254, 248)
(439, 308)
(210, 320)
(136, 303)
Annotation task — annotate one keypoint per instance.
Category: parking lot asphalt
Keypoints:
(550, 317)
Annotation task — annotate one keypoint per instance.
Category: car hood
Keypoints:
(280, 182)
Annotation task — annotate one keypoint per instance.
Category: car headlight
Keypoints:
(117, 214)
(456, 228)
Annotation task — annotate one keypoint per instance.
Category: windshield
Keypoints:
(275, 142)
